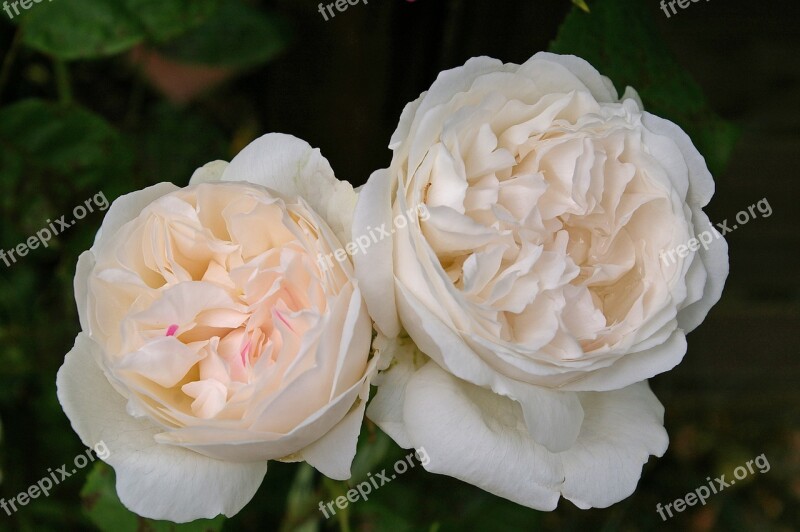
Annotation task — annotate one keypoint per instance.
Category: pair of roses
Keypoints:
(516, 325)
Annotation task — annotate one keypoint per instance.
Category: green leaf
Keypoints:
(238, 35)
(39, 138)
(163, 20)
(333, 490)
(620, 39)
(74, 29)
(49, 152)
(102, 506)
(63, 138)
(81, 29)
(172, 143)
(301, 503)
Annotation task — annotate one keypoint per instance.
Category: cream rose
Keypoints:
(536, 275)
(211, 340)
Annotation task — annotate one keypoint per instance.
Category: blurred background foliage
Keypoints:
(115, 95)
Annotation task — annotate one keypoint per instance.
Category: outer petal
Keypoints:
(85, 265)
(386, 407)
(600, 86)
(701, 184)
(701, 188)
(126, 208)
(715, 262)
(447, 84)
(293, 168)
(209, 172)
(332, 455)
(474, 435)
(374, 269)
(479, 437)
(153, 480)
(406, 119)
(622, 429)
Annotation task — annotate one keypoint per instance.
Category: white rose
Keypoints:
(536, 274)
(212, 341)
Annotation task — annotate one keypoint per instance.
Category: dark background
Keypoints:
(341, 85)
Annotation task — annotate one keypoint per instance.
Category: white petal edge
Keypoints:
(374, 269)
(701, 184)
(291, 167)
(447, 84)
(717, 266)
(474, 435)
(209, 172)
(463, 430)
(386, 407)
(80, 285)
(600, 86)
(701, 189)
(332, 455)
(127, 207)
(153, 480)
(624, 427)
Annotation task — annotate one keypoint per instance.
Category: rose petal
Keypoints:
(81, 286)
(209, 172)
(386, 407)
(600, 86)
(622, 429)
(126, 208)
(633, 367)
(155, 481)
(479, 437)
(293, 168)
(374, 269)
(553, 418)
(716, 266)
(332, 455)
